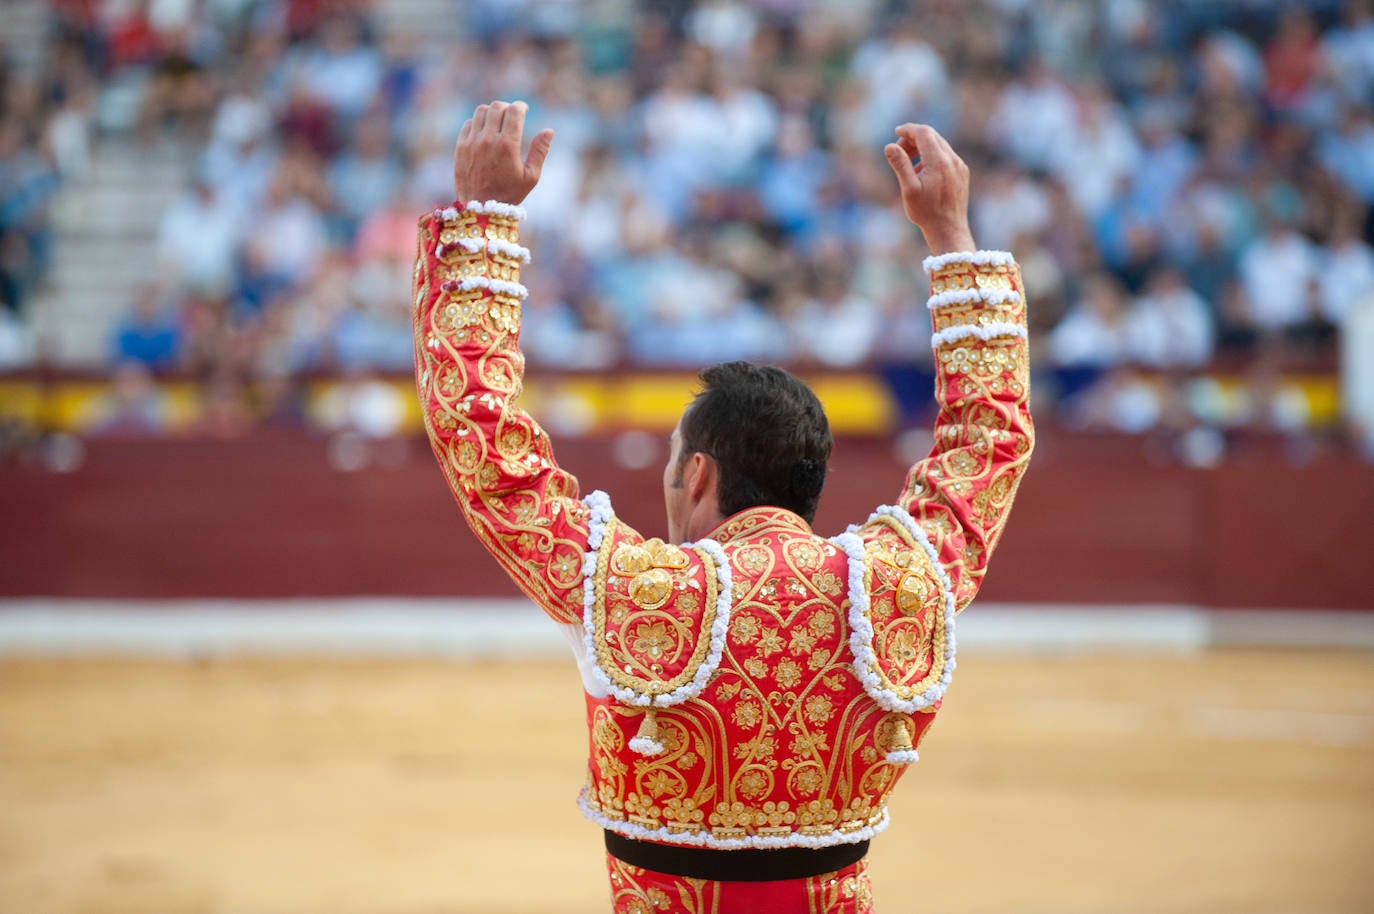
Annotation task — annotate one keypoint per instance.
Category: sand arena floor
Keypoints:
(1224, 781)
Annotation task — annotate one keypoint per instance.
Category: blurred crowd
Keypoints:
(1185, 184)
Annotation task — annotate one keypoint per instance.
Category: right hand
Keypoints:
(934, 190)
(486, 161)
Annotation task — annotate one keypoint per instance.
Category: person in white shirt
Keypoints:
(1276, 273)
(1347, 274)
(1093, 332)
(1170, 326)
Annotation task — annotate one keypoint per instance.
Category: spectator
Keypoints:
(27, 185)
(239, 161)
(1276, 271)
(134, 406)
(791, 178)
(1092, 160)
(1348, 52)
(1346, 276)
(1008, 203)
(903, 79)
(1035, 118)
(838, 328)
(1093, 334)
(1348, 152)
(289, 237)
(1170, 326)
(198, 239)
(1167, 160)
(366, 177)
(1291, 60)
(150, 334)
(16, 342)
(339, 70)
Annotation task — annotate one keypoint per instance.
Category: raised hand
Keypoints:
(934, 189)
(487, 163)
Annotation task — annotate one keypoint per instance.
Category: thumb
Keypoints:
(900, 161)
(539, 150)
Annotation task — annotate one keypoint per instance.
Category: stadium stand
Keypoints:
(210, 203)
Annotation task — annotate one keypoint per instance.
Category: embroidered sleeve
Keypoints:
(960, 495)
(469, 370)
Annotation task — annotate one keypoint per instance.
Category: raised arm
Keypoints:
(961, 494)
(469, 369)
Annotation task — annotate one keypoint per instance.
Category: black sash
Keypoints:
(748, 865)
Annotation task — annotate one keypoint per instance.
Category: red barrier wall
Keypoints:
(269, 517)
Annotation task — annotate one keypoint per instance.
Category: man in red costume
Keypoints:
(754, 693)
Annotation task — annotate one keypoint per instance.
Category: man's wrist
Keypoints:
(946, 241)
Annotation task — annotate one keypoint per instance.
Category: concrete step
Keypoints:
(24, 29)
(428, 18)
(97, 263)
(116, 204)
(107, 227)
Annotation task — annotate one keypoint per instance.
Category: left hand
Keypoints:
(487, 163)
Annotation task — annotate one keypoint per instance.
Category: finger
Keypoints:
(900, 159)
(925, 141)
(514, 123)
(466, 133)
(497, 116)
(539, 150)
(479, 118)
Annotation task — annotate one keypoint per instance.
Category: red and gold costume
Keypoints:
(764, 687)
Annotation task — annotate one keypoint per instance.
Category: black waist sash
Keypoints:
(747, 865)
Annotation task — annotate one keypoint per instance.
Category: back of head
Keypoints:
(768, 434)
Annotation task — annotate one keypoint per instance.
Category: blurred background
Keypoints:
(228, 563)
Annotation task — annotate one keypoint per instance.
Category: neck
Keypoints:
(703, 519)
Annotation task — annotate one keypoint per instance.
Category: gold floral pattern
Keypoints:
(747, 715)
(787, 674)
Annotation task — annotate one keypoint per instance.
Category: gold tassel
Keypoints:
(900, 740)
(899, 748)
(646, 741)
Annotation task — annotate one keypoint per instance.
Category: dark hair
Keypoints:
(768, 434)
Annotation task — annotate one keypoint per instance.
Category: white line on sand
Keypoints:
(514, 627)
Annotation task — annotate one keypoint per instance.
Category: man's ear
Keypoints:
(701, 476)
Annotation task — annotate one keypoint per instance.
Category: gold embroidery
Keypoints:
(909, 645)
(819, 709)
(787, 674)
(803, 554)
(652, 638)
(912, 592)
(651, 589)
(802, 643)
(662, 650)
(747, 715)
(743, 629)
(828, 583)
(753, 559)
(770, 642)
(806, 779)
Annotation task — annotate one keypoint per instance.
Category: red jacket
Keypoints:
(765, 686)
